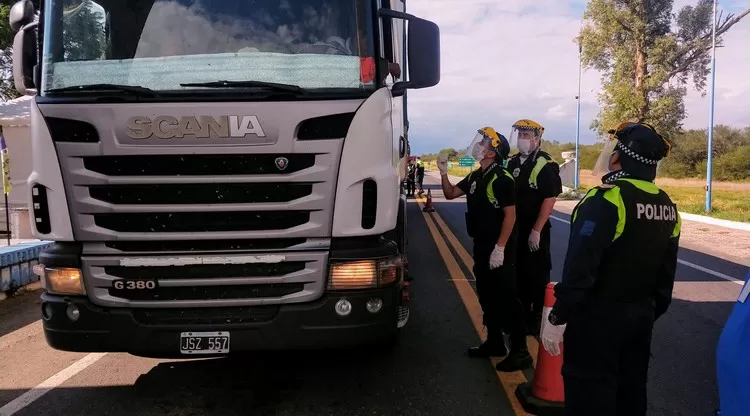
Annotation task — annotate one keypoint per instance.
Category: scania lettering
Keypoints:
(220, 177)
(169, 127)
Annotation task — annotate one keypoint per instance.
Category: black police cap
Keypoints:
(642, 142)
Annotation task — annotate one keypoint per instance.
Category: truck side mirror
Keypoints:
(22, 19)
(21, 14)
(25, 59)
(423, 39)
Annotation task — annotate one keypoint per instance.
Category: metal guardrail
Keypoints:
(17, 263)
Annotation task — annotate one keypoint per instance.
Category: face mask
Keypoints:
(478, 152)
(524, 146)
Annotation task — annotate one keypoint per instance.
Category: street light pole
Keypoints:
(709, 165)
(578, 114)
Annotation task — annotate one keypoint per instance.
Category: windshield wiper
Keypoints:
(133, 89)
(247, 84)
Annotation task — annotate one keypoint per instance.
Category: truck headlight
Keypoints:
(363, 274)
(63, 281)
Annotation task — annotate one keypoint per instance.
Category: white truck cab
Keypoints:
(220, 176)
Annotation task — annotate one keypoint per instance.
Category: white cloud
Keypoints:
(557, 112)
(502, 61)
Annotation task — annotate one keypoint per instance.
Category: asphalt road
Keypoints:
(426, 374)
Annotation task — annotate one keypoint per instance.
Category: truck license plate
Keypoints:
(204, 342)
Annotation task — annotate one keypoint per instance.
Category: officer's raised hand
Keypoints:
(442, 164)
(497, 257)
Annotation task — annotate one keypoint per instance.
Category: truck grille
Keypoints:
(207, 205)
(229, 193)
(201, 196)
(206, 271)
(202, 199)
(228, 281)
(181, 222)
(208, 293)
(204, 245)
(196, 165)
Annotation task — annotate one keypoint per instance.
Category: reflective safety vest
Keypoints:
(647, 220)
(541, 161)
(613, 194)
(482, 219)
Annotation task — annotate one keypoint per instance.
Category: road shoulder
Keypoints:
(721, 242)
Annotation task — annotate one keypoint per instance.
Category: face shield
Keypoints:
(525, 140)
(477, 150)
(601, 167)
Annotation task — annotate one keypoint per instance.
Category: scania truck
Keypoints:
(220, 176)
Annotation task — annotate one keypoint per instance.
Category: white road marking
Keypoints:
(49, 384)
(686, 263)
(711, 272)
(560, 219)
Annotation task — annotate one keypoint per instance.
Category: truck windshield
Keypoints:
(174, 46)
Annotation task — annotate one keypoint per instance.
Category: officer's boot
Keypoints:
(518, 359)
(494, 346)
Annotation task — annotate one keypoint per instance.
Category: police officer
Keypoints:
(538, 184)
(420, 175)
(490, 222)
(617, 278)
(411, 179)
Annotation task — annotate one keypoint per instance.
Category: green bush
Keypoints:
(734, 165)
(687, 159)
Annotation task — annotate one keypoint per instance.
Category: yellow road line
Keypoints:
(509, 381)
(531, 342)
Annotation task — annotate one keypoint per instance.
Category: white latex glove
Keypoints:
(552, 335)
(442, 164)
(534, 240)
(497, 257)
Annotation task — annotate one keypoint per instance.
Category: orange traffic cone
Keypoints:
(428, 206)
(545, 395)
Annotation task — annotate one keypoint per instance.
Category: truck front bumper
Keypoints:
(156, 332)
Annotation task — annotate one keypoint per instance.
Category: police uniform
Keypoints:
(536, 179)
(487, 193)
(617, 280)
(420, 175)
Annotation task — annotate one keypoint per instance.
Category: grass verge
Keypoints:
(727, 204)
(732, 205)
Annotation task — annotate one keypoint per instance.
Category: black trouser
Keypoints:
(607, 348)
(410, 186)
(498, 296)
(420, 181)
(533, 270)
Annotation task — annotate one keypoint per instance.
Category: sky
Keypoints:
(506, 60)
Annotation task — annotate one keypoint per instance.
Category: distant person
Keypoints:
(411, 179)
(617, 279)
(420, 175)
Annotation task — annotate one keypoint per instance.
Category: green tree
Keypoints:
(83, 33)
(646, 65)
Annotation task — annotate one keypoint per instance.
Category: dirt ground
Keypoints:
(727, 243)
